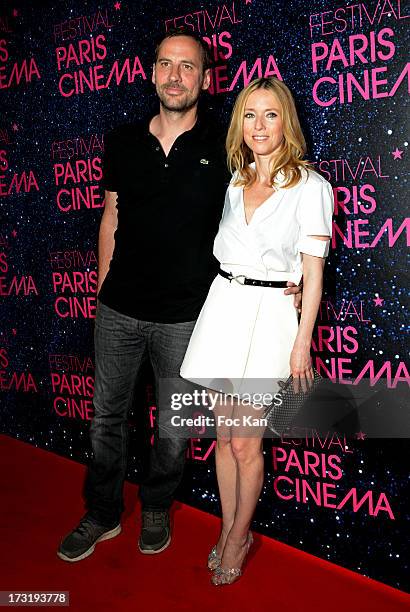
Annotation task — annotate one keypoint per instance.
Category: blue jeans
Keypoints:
(120, 343)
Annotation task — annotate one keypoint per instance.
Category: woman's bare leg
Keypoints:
(247, 453)
(239, 465)
(226, 473)
(246, 447)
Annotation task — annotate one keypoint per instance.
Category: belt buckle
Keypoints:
(235, 278)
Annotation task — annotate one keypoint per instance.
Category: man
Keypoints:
(165, 182)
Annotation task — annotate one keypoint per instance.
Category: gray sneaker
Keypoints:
(80, 542)
(155, 533)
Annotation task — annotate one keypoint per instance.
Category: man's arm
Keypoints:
(108, 226)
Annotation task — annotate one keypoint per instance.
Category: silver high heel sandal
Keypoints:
(214, 560)
(223, 576)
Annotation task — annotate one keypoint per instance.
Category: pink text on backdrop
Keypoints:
(19, 183)
(67, 286)
(81, 26)
(356, 16)
(15, 284)
(325, 467)
(78, 146)
(79, 172)
(340, 310)
(75, 288)
(205, 20)
(23, 72)
(342, 169)
(343, 370)
(72, 384)
(69, 259)
(360, 49)
(357, 235)
(23, 382)
(87, 51)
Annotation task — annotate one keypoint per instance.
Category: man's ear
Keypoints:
(207, 79)
(153, 74)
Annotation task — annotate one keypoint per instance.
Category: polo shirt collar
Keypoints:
(197, 129)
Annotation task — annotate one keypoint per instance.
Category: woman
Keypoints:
(275, 225)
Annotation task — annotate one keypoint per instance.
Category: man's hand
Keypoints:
(296, 290)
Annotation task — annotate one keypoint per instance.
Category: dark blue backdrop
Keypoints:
(59, 96)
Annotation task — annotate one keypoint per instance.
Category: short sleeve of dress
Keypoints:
(109, 165)
(314, 216)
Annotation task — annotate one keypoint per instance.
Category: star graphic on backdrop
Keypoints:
(360, 435)
(248, 1)
(15, 127)
(14, 331)
(397, 154)
(378, 301)
(15, 13)
(117, 6)
(14, 233)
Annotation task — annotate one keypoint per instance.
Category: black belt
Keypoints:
(244, 280)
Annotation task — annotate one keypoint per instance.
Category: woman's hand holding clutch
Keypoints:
(301, 367)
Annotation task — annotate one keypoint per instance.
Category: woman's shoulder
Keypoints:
(236, 179)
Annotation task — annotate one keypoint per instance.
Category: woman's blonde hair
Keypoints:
(289, 157)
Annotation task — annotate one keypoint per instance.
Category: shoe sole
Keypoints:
(146, 551)
(105, 536)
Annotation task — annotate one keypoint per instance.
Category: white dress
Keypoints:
(244, 334)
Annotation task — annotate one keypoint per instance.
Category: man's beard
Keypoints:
(178, 106)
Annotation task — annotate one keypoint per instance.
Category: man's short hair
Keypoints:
(173, 32)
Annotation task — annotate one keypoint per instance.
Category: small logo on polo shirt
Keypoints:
(204, 161)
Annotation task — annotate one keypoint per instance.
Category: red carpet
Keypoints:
(41, 501)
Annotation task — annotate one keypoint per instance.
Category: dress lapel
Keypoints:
(264, 210)
(236, 201)
(267, 207)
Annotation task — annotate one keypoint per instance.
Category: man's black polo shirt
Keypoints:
(168, 214)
